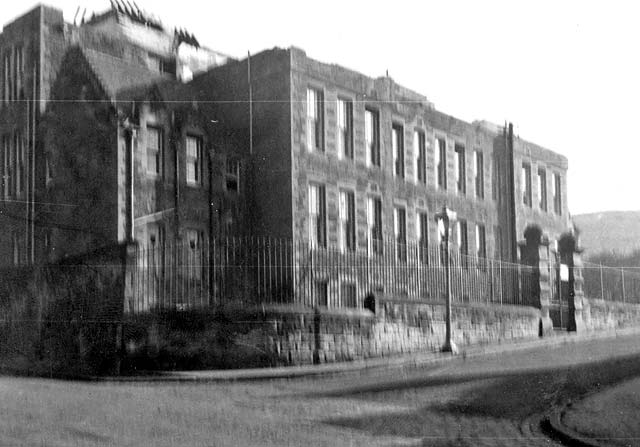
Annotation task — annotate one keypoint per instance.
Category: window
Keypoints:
(194, 160)
(397, 145)
(48, 171)
(345, 128)
(461, 178)
(441, 163)
(420, 154)
(495, 173)
(481, 241)
(542, 188)
(21, 159)
(400, 232)
(194, 238)
(18, 70)
(321, 292)
(372, 136)
(158, 63)
(317, 216)
(526, 184)
(557, 194)
(422, 225)
(315, 120)
(47, 239)
(461, 235)
(7, 163)
(15, 246)
(155, 259)
(478, 172)
(374, 225)
(232, 175)
(157, 236)
(154, 151)
(348, 292)
(195, 264)
(6, 76)
(347, 221)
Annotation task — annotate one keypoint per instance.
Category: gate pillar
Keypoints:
(570, 255)
(535, 254)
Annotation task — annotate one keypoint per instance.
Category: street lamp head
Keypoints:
(446, 217)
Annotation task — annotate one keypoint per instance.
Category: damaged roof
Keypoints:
(116, 74)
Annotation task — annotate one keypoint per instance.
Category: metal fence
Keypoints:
(265, 270)
(611, 283)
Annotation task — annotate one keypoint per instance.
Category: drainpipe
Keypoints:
(513, 238)
(210, 271)
(33, 169)
(128, 136)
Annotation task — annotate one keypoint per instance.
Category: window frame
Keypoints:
(317, 216)
(235, 163)
(344, 137)
(397, 148)
(347, 220)
(375, 235)
(420, 155)
(478, 171)
(316, 120)
(6, 166)
(462, 237)
(422, 232)
(527, 197)
(542, 190)
(440, 164)
(557, 193)
(459, 151)
(159, 151)
(7, 69)
(400, 232)
(373, 144)
(18, 72)
(324, 283)
(352, 286)
(21, 164)
(198, 168)
(481, 241)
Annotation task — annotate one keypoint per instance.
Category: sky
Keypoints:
(567, 74)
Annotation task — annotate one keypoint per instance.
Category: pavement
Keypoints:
(409, 360)
(594, 420)
(495, 395)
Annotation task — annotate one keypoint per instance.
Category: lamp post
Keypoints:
(445, 219)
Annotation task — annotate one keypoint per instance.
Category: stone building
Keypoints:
(324, 136)
(116, 130)
(60, 199)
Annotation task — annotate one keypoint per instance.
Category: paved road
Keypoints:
(493, 400)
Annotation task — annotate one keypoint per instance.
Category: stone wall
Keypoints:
(289, 335)
(607, 315)
(398, 327)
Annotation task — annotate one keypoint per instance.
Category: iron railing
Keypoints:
(611, 283)
(266, 270)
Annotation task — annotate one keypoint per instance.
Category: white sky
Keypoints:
(566, 74)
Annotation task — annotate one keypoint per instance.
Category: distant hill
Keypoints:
(610, 231)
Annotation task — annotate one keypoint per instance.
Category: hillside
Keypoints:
(617, 231)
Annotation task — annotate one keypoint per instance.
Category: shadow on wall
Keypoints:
(62, 319)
